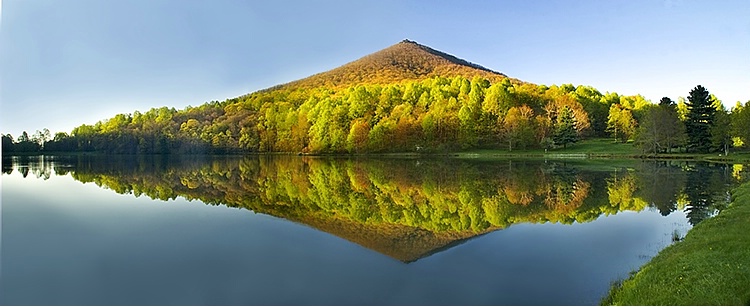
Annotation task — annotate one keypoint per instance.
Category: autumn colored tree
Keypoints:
(518, 127)
(438, 114)
(554, 108)
(356, 141)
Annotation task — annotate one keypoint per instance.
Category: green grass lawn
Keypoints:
(591, 146)
(603, 148)
(600, 146)
(711, 266)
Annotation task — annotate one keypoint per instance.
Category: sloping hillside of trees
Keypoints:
(406, 60)
(409, 98)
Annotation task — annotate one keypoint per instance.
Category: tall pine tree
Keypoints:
(565, 129)
(700, 119)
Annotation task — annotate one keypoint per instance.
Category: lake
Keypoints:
(288, 230)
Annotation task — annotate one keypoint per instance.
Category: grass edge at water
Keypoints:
(603, 148)
(710, 266)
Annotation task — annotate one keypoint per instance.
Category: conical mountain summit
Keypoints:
(406, 60)
(318, 114)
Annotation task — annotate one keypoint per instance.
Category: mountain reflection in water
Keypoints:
(406, 208)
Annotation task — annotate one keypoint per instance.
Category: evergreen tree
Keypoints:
(666, 102)
(7, 143)
(700, 119)
(565, 129)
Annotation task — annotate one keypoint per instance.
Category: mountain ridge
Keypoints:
(450, 57)
(405, 60)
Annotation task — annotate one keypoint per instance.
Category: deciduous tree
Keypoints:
(721, 138)
(518, 127)
(740, 123)
(621, 123)
(660, 129)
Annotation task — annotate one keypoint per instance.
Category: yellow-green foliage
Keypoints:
(436, 195)
(404, 98)
(376, 202)
(433, 114)
(407, 97)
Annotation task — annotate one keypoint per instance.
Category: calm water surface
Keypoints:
(302, 231)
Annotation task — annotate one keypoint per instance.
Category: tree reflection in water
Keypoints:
(406, 208)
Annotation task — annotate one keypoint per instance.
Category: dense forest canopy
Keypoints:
(408, 98)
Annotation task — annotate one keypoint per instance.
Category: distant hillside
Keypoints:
(405, 98)
(406, 60)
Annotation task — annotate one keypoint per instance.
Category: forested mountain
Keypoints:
(406, 60)
(407, 98)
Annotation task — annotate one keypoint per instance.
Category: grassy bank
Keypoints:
(601, 148)
(590, 146)
(711, 266)
(604, 148)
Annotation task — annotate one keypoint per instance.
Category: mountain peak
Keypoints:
(406, 60)
(407, 41)
(451, 58)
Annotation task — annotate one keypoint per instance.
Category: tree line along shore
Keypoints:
(435, 115)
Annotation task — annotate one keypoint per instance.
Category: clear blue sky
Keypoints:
(65, 63)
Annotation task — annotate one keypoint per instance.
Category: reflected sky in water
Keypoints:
(65, 242)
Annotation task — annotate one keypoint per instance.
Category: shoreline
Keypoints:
(741, 157)
(711, 266)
